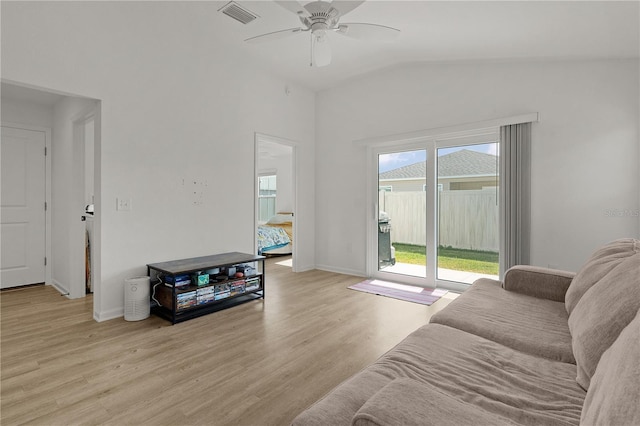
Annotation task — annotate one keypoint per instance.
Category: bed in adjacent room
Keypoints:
(276, 236)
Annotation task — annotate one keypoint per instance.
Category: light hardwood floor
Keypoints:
(260, 363)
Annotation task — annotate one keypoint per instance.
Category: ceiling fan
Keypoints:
(321, 18)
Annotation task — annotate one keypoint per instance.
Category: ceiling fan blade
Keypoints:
(368, 31)
(293, 6)
(274, 35)
(321, 51)
(346, 6)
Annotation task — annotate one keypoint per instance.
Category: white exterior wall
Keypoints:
(404, 184)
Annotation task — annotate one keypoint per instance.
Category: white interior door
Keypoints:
(22, 207)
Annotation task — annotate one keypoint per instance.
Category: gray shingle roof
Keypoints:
(459, 163)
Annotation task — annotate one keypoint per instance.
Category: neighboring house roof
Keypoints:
(459, 163)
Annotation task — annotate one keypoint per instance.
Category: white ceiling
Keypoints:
(431, 31)
(437, 31)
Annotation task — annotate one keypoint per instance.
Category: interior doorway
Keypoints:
(69, 123)
(275, 197)
(83, 227)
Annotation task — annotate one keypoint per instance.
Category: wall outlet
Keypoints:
(123, 204)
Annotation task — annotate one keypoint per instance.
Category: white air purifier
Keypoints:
(136, 298)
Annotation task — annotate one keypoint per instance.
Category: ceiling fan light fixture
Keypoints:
(321, 17)
(320, 36)
(321, 51)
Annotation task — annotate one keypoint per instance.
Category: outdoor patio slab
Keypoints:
(443, 274)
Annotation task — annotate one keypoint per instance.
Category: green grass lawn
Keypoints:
(483, 262)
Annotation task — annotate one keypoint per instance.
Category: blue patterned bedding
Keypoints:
(271, 238)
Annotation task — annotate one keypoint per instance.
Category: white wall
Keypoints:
(177, 108)
(585, 147)
(24, 112)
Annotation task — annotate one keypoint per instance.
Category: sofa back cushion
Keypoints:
(614, 395)
(597, 266)
(602, 313)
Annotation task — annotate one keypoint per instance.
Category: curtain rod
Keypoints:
(457, 130)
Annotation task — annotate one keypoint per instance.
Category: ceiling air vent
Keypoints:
(238, 12)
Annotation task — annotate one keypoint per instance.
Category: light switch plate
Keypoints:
(123, 204)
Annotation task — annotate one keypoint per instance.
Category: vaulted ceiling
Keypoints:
(436, 31)
(431, 31)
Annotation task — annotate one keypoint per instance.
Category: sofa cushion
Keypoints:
(526, 323)
(602, 313)
(503, 382)
(408, 402)
(597, 266)
(543, 283)
(614, 395)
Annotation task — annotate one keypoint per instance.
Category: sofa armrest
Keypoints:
(543, 283)
(410, 403)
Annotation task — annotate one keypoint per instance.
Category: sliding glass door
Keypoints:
(467, 207)
(436, 211)
(402, 209)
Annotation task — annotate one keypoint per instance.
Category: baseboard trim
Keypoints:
(305, 268)
(108, 315)
(344, 271)
(60, 288)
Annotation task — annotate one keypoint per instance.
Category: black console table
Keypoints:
(189, 288)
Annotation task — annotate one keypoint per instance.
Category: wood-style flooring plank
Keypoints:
(260, 363)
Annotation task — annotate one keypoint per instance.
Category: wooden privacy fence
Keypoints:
(467, 219)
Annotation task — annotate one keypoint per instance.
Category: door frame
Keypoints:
(431, 144)
(440, 136)
(98, 311)
(261, 137)
(47, 191)
(372, 218)
(78, 246)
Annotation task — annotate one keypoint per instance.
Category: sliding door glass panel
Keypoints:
(467, 221)
(402, 208)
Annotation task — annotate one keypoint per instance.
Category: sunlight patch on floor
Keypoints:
(397, 286)
(286, 262)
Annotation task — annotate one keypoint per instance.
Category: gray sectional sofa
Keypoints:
(544, 347)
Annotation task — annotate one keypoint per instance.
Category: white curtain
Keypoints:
(515, 195)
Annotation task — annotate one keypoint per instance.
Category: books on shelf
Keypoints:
(252, 284)
(186, 300)
(237, 287)
(205, 295)
(222, 291)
